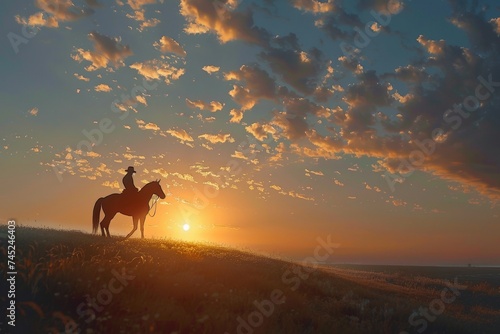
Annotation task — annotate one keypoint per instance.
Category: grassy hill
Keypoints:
(72, 282)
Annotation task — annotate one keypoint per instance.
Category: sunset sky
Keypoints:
(269, 123)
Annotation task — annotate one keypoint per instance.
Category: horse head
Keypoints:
(157, 189)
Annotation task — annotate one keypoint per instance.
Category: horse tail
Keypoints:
(95, 215)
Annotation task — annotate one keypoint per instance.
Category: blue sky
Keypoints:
(320, 139)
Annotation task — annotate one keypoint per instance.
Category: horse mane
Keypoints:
(149, 185)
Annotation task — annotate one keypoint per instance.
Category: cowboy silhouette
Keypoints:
(128, 182)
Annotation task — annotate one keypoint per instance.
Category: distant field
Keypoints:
(489, 275)
(72, 282)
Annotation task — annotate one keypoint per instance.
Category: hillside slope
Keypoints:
(71, 282)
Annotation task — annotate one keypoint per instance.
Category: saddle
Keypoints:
(129, 194)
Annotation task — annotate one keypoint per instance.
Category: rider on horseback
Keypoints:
(128, 182)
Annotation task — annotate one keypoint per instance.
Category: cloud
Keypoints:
(130, 156)
(482, 33)
(338, 183)
(210, 69)
(398, 202)
(496, 24)
(257, 85)
(293, 120)
(438, 124)
(212, 106)
(339, 25)
(294, 194)
(139, 14)
(239, 155)
(384, 6)
(260, 131)
(167, 44)
(221, 18)
(314, 6)
(130, 103)
(181, 134)
(102, 88)
(106, 49)
(298, 68)
(236, 115)
(38, 19)
(147, 126)
(81, 77)
(161, 171)
(363, 98)
(352, 64)
(113, 184)
(409, 74)
(317, 173)
(158, 69)
(218, 138)
(328, 147)
(275, 187)
(433, 47)
(53, 12)
(138, 4)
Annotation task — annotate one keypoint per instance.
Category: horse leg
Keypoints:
(135, 227)
(143, 219)
(105, 224)
(107, 229)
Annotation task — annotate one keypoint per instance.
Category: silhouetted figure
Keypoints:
(128, 182)
(136, 206)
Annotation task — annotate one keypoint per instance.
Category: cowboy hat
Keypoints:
(130, 169)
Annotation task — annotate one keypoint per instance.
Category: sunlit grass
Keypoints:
(185, 287)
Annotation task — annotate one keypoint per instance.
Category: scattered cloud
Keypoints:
(218, 138)
(236, 115)
(106, 49)
(257, 85)
(167, 44)
(314, 6)
(53, 12)
(158, 69)
(147, 126)
(224, 20)
(113, 184)
(102, 88)
(210, 69)
(81, 77)
(212, 106)
(180, 134)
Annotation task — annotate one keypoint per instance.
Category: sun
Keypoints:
(186, 227)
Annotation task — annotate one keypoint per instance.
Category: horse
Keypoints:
(135, 205)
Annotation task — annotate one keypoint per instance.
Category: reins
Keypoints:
(155, 203)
